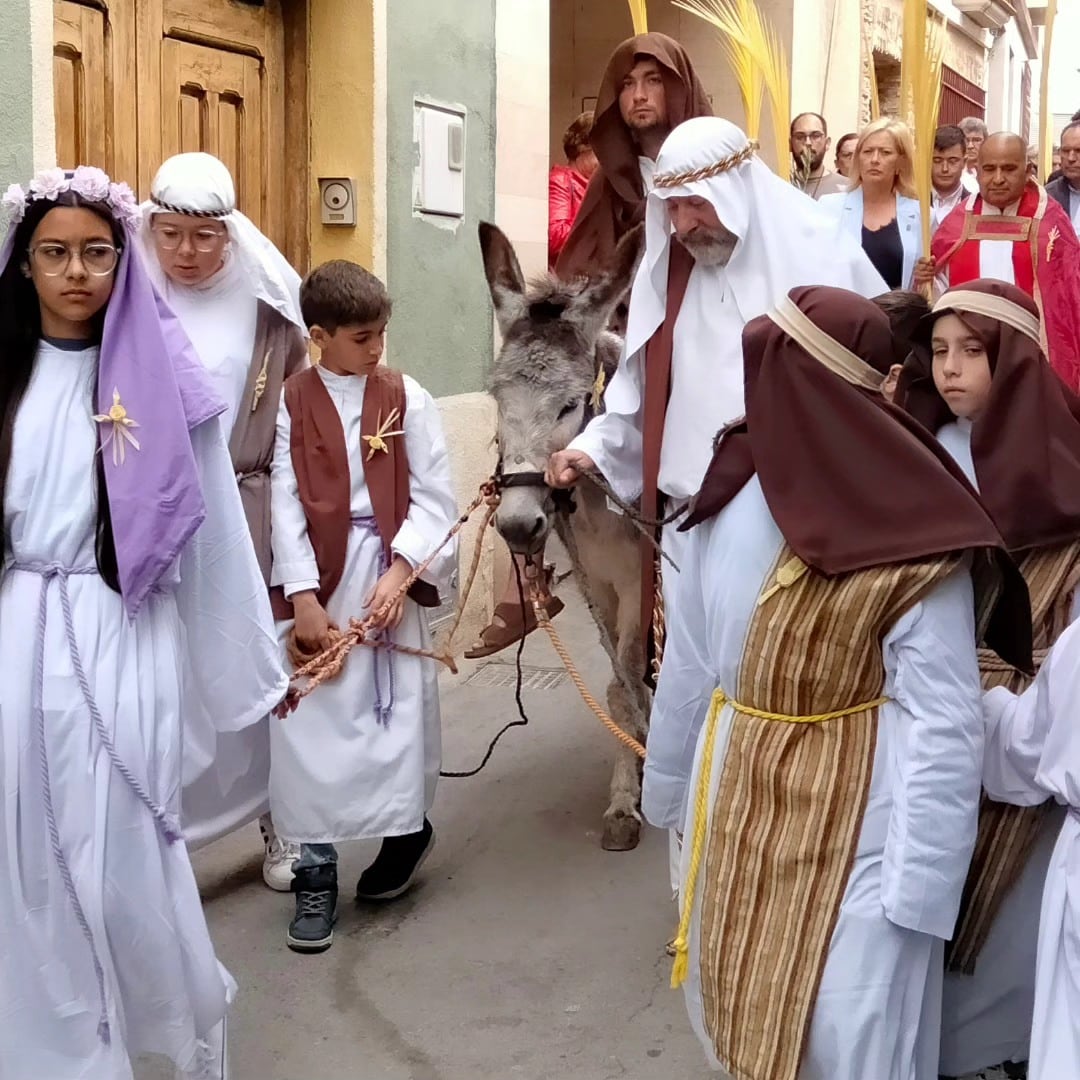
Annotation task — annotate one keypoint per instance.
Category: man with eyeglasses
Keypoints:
(809, 144)
(1066, 189)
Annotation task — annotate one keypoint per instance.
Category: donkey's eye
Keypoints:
(566, 410)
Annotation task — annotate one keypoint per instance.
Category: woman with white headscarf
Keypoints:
(238, 300)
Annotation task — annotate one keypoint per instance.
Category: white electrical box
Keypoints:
(440, 132)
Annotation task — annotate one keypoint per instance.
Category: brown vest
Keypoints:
(320, 460)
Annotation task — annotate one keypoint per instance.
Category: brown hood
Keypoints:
(615, 200)
(1026, 444)
(851, 480)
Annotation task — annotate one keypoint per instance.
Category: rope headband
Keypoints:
(993, 307)
(839, 359)
(667, 180)
(172, 208)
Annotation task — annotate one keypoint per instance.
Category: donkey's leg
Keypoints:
(622, 819)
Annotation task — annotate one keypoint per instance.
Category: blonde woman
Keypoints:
(881, 209)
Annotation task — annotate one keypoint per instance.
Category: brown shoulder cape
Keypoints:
(615, 200)
(321, 462)
(853, 481)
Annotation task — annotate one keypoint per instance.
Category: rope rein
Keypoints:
(326, 664)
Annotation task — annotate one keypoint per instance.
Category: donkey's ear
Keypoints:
(504, 277)
(608, 287)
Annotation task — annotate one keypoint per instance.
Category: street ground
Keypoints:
(526, 951)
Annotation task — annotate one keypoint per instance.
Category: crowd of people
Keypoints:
(869, 455)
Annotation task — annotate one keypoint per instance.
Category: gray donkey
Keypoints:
(545, 384)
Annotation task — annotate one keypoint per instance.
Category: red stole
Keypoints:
(320, 460)
(654, 411)
(957, 242)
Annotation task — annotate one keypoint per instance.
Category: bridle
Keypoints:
(562, 498)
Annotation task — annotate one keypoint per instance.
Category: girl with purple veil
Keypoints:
(130, 597)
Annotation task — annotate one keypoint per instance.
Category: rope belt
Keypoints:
(701, 805)
(167, 825)
(250, 474)
(382, 711)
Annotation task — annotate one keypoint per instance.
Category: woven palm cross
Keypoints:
(382, 433)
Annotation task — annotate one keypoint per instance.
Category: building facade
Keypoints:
(437, 115)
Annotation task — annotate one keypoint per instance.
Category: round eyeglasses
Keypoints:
(204, 240)
(53, 258)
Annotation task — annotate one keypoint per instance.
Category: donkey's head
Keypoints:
(555, 342)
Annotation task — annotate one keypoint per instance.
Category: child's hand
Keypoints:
(385, 589)
(312, 627)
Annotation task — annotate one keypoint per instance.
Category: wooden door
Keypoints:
(136, 81)
(94, 86)
(210, 78)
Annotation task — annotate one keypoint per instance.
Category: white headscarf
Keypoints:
(200, 185)
(784, 238)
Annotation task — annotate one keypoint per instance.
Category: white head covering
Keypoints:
(784, 238)
(200, 185)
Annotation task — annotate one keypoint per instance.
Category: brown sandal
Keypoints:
(507, 627)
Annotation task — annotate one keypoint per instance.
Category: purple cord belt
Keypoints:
(167, 825)
(382, 711)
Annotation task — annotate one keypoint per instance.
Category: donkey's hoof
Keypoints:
(622, 831)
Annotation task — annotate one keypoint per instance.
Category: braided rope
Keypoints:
(38, 708)
(666, 180)
(659, 625)
(542, 620)
(172, 208)
(326, 664)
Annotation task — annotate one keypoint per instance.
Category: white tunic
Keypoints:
(1033, 752)
(986, 1016)
(878, 1005)
(226, 774)
(204, 643)
(996, 256)
(339, 772)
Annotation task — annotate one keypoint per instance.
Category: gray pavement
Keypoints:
(525, 952)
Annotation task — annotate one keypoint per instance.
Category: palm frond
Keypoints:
(639, 16)
(871, 72)
(758, 60)
(920, 95)
(1046, 148)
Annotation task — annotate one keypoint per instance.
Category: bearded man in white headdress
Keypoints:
(725, 240)
(239, 302)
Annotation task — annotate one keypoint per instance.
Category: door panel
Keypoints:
(139, 80)
(94, 86)
(217, 105)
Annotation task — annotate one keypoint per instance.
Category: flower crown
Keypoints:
(87, 182)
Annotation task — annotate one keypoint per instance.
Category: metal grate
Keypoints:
(498, 675)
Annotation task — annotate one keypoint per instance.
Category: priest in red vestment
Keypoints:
(1010, 230)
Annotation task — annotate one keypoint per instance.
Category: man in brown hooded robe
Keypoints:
(649, 88)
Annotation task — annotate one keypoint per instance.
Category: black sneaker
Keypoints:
(396, 866)
(312, 928)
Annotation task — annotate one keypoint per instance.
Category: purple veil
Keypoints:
(146, 360)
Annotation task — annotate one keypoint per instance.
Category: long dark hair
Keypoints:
(20, 335)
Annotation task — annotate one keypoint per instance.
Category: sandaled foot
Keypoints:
(509, 624)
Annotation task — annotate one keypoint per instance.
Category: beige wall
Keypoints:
(521, 146)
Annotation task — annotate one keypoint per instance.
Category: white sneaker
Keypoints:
(279, 858)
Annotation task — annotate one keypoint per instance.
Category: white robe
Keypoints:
(1032, 753)
(337, 772)
(986, 1016)
(226, 774)
(878, 1005)
(203, 643)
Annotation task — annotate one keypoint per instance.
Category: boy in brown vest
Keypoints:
(360, 495)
